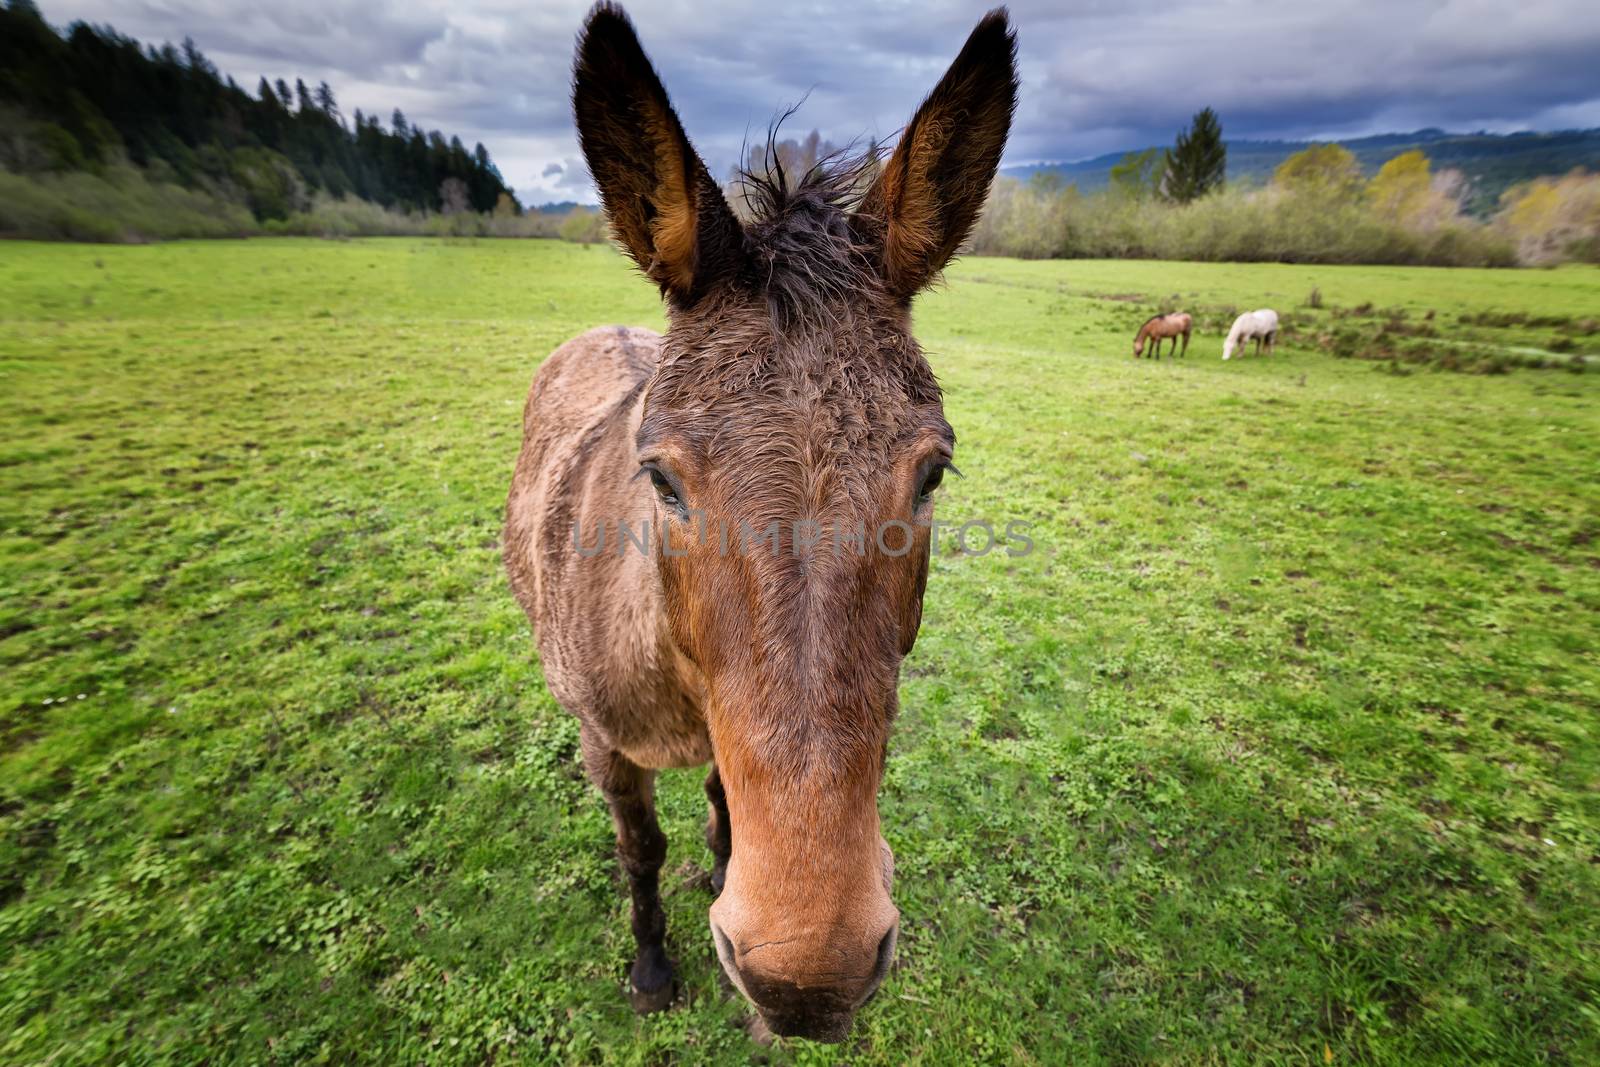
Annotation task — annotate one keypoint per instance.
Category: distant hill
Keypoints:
(1492, 162)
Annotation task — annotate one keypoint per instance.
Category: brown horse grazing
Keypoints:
(1159, 327)
(766, 470)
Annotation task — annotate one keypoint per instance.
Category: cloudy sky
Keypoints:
(1098, 75)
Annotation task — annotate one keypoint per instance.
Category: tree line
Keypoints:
(1318, 207)
(92, 100)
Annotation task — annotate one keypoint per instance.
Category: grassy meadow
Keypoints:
(1283, 746)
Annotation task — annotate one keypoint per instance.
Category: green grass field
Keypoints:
(1280, 748)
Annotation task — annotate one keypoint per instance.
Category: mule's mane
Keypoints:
(804, 251)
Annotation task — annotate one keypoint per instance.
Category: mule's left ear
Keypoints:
(925, 201)
(664, 207)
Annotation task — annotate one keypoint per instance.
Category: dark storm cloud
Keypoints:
(1299, 70)
(1097, 76)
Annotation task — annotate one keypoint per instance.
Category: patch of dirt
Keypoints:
(1505, 541)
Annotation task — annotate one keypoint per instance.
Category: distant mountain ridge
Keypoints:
(1492, 162)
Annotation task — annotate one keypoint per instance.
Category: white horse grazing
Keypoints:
(1258, 326)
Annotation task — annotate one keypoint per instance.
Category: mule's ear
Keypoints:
(663, 205)
(927, 197)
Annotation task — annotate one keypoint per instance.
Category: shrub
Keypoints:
(125, 203)
(584, 226)
(120, 205)
(1315, 211)
(345, 217)
(528, 224)
(1552, 220)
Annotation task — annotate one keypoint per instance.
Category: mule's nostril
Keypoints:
(880, 966)
(886, 950)
(880, 969)
(724, 946)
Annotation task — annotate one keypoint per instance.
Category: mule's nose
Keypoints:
(810, 991)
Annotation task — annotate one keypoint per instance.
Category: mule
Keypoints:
(1158, 327)
(1258, 326)
(780, 447)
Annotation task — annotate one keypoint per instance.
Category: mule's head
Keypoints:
(792, 438)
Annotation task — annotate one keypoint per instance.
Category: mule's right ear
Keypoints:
(927, 197)
(664, 207)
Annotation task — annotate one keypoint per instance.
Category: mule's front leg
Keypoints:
(642, 848)
(719, 832)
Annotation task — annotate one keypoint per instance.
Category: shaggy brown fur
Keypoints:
(787, 398)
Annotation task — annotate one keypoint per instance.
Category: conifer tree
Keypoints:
(1198, 163)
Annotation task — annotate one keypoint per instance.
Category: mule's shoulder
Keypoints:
(578, 420)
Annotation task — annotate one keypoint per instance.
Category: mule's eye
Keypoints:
(664, 490)
(929, 484)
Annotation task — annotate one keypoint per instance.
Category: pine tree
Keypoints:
(1198, 163)
(326, 103)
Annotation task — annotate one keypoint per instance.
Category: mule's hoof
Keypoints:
(719, 878)
(646, 1003)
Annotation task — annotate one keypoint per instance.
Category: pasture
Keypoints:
(1281, 746)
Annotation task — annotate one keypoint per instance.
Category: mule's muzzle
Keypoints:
(822, 1008)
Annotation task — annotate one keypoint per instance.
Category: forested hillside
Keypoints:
(1491, 163)
(92, 100)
